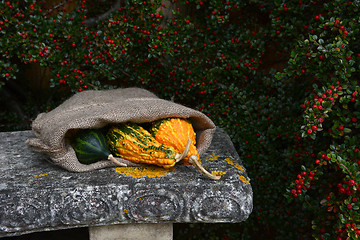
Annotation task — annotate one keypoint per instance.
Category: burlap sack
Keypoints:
(96, 109)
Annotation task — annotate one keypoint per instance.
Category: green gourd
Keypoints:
(91, 146)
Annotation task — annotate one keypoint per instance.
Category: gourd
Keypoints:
(90, 146)
(175, 132)
(134, 143)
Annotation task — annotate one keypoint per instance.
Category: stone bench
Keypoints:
(118, 203)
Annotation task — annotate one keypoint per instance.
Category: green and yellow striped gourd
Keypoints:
(134, 143)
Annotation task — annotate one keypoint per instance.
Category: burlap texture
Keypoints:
(96, 109)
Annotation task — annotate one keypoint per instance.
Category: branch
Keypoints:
(93, 21)
(346, 169)
(54, 8)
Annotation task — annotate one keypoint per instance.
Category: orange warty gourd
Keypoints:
(176, 132)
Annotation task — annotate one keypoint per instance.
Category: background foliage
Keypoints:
(281, 77)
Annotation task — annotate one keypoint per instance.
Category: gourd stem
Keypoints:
(179, 157)
(193, 160)
(111, 158)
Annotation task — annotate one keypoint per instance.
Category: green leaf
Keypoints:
(347, 130)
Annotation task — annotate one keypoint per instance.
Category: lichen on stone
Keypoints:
(218, 173)
(231, 162)
(213, 157)
(148, 171)
(40, 175)
(243, 179)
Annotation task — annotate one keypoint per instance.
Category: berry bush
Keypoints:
(281, 77)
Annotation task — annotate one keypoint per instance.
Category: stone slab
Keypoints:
(36, 195)
(148, 231)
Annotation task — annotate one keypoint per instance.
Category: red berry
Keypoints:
(341, 127)
(342, 190)
(351, 182)
(309, 131)
(321, 57)
(349, 206)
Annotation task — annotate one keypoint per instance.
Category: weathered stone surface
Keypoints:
(35, 195)
(148, 231)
